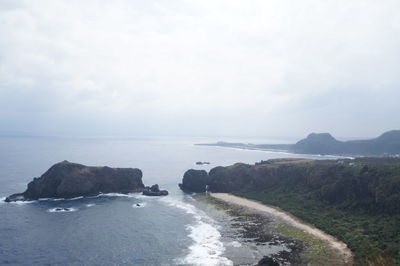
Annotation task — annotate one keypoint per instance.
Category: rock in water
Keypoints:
(194, 181)
(154, 190)
(69, 180)
(202, 163)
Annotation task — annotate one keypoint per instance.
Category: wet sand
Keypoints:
(288, 218)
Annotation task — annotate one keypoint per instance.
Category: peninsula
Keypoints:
(387, 144)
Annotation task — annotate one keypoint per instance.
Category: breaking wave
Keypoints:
(58, 209)
(207, 248)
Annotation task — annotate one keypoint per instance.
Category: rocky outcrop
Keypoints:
(267, 261)
(368, 184)
(194, 181)
(220, 179)
(154, 190)
(231, 178)
(69, 180)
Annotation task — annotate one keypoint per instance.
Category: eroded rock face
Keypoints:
(219, 179)
(68, 180)
(154, 190)
(231, 178)
(267, 261)
(194, 181)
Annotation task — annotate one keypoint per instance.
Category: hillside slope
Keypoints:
(358, 201)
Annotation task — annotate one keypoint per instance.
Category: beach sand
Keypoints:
(337, 245)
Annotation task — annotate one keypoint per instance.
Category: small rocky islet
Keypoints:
(70, 180)
(154, 190)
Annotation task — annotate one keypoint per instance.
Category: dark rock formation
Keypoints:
(69, 180)
(368, 184)
(62, 209)
(202, 163)
(154, 190)
(267, 261)
(194, 181)
(231, 178)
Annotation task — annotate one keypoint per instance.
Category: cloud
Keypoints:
(199, 67)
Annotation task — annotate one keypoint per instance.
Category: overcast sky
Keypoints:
(224, 68)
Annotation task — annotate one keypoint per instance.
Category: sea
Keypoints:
(119, 229)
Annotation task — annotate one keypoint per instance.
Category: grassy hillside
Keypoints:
(372, 238)
(358, 201)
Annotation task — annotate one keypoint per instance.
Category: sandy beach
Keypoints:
(288, 218)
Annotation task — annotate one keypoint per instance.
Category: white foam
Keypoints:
(129, 195)
(20, 202)
(76, 198)
(207, 248)
(58, 199)
(141, 197)
(112, 195)
(90, 205)
(62, 209)
(45, 199)
(136, 195)
(235, 244)
(188, 208)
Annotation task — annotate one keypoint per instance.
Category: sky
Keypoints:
(271, 68)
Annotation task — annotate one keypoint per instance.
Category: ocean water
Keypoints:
(117, 229)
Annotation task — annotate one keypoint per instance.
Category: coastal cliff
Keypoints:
(68, 180)
(358, 201)
(194, 181)
(371, 184)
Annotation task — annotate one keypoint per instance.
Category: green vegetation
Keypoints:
(357, 201)
(372, 237)
(318, 252)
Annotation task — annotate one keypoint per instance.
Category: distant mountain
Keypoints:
(387, 144)
(322, 143)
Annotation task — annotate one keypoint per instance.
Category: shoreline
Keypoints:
(288, 218)
(333, 156)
